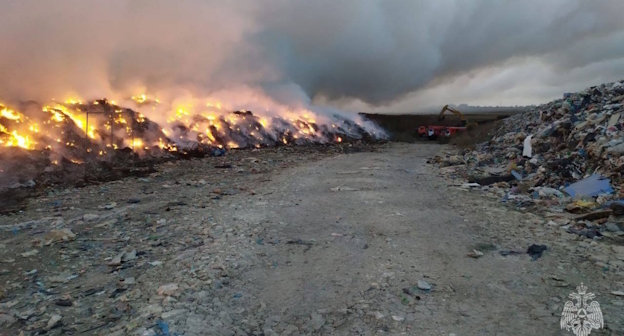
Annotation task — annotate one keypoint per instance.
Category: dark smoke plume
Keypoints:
(391, 53)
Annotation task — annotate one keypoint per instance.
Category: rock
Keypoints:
(108, 206)
(127, 256)
(398, 318)
(150, 311)
(53, 321)
(149, 332)
(289, 330)
(90, 217)
(116, 261)
(599, 257)
(617, 249)
(378, 315)
(317, 321)
(423, 285)
(7, 320)
(61, 278)
(612, 227)
(63, 302)
(173, 313)
(59, 235)
(30, 253)
(168, 289)
(618, 293)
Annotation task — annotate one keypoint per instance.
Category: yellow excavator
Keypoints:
(464, 120)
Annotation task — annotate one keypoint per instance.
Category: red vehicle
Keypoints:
(430, 132)
(435, 131)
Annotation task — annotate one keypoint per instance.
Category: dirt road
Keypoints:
(399, 225)
(336, 246)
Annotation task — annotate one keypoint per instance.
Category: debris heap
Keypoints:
(566, 155)
(73, 141)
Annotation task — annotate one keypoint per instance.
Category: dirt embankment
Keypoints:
(403, 127)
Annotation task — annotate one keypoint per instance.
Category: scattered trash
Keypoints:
(219, 152)
(580, 205)
(343, 189)
(595, 215)
(590, 233)
(492, 179)
(527, 151)
(617, 207)
(475, 254)
(63, 302)
(510, 252)
(164, 328)
(618, 293)
(301, 242)
(516, 175)
(591, 186)
(108, 206)
(535, 251)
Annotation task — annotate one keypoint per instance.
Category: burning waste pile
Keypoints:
(40, 142)
(565, 157)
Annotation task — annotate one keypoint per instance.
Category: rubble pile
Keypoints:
(77, 142)
(564, 158)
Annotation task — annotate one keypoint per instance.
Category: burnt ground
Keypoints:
(331, 240)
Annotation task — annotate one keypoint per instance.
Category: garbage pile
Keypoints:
(565, 157)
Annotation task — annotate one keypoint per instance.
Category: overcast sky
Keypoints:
(366, 55)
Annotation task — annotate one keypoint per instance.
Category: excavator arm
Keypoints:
(452, 110)
(464, 120)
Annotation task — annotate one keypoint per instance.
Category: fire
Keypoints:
(215, 105)
(144, 99)
(79, 130)
(17, 140)
(136, 143)
(72, 101)
(9, 114)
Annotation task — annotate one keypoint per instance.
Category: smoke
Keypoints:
(367, 53)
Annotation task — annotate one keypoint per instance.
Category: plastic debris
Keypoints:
(164, 328)
(527, 151)
(591, 186)
(535, 251)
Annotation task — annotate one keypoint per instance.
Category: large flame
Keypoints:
(76, 127)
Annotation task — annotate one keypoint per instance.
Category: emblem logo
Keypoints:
(581, 317)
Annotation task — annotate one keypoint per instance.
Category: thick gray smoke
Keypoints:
(368, 53)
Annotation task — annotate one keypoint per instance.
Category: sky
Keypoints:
(355, 55)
